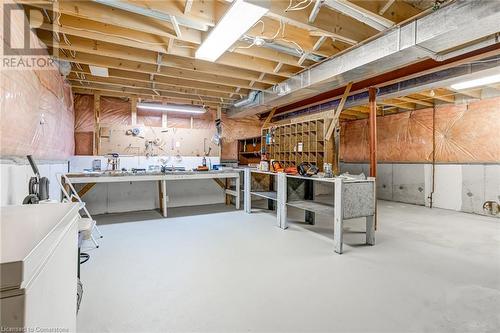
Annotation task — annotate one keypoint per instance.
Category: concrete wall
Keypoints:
(124, 197)
(461, 187)
(16, 172)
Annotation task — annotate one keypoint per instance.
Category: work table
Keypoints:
(92, 178)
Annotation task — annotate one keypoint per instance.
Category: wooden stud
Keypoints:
(133, 107)
(268, 119)
(97, 115)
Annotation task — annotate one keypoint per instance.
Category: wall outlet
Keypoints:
(168, 198)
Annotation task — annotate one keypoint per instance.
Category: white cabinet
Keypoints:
(39, 259)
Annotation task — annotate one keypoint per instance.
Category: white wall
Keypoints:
(15, 174)
(461, 187)
(123, 197)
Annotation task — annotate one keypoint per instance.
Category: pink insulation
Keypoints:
(36, 110)
(116, 111)
(465, 133)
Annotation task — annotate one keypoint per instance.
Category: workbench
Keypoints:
(162, 178)
(352, 198)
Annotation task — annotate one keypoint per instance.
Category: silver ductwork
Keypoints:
(461, 22)
(252, 99)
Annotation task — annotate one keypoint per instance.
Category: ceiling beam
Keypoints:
(415, 101)
(439, 94)
(342, 27)
(359, 13)
(158, 79)
(92, 59)
(399, 104)
(76, 76)
(122, 94)
(260, 58)
(157, 90)
(178, 58)
(97, 12)
(315, 10)
(175, 98)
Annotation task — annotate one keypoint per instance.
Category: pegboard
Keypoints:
(166, 141)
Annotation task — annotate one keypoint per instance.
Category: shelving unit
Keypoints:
(292, 144)
(249, 150)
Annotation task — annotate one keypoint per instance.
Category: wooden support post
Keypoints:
(164, 118)
(97, 115)
(373, 131)
(133, 107)
(219, 116)
(269, 117)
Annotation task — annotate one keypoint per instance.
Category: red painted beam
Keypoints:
(372, 91)
(396, 75)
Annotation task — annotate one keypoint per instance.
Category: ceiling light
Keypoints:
(240, 17)
(172, 108)
(99, 71)
(476, 82)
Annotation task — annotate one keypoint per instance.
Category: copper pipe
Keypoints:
(372, 100)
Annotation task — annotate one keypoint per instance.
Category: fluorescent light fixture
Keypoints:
(172, 108)
(99, 71)
(240, 17)
(477, 82)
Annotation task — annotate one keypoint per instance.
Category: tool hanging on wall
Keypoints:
(38, 187)
(218, 132)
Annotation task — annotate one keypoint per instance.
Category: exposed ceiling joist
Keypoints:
(359, 13)
(129, 83)
(172, 62)
(178, 82)
(91, 59)
(386, 6)
(315, 10)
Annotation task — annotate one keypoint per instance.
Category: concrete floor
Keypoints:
(431, 271)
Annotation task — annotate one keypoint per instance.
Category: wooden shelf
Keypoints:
(268, 195)
(246, 157)
(312, 206)
(300, 142)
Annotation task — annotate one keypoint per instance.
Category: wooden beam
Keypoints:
(269, 118)
(105, 14)
(399, 104)
(122, 82)
(315, 10)
(338, 111)
(352, 31)
(387, 5)
(144, 90)
(187, 6)
(415, 101)
(171, 61)
(359, 13)
(87, 187)
(134, 66)
(97, 116)
(177, 28)
(150, 95)
(439, 94)
(133, 109)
